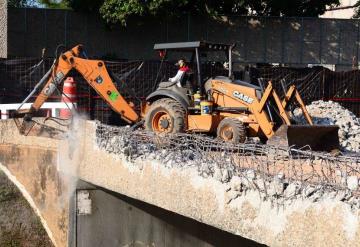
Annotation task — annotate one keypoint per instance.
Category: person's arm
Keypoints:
(177, 77)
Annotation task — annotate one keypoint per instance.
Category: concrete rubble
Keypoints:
(278, 189)
(332, 113)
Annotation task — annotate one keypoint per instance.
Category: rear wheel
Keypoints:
(232, 130)
(166, 116)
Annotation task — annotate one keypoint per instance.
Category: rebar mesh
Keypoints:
(259, 165)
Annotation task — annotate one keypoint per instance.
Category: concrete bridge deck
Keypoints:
(46, 170)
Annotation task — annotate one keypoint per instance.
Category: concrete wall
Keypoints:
(32, 167)
(3, 28)
(183, 191)
(259, 40)
(38, 167)
(117, 220)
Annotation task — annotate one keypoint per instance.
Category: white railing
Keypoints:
(53, 107)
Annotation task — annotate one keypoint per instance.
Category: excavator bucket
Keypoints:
(317, 137)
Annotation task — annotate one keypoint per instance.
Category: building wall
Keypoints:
(342, 13)
(295, 41)
(3, 28)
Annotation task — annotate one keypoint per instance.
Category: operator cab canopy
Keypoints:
(198, 50)
(191, 46)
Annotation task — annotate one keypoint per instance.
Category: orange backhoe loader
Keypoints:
(231, 109)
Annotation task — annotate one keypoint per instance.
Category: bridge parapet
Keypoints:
(267, 195)
(258, 194)
(31, 164)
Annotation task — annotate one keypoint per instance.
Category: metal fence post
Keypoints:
(188, 26)
(302, 41)
(320, 41)
(357, 44)
(65, 29)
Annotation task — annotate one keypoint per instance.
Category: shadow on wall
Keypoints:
(117, 220)
(259, 39)
(201, 231)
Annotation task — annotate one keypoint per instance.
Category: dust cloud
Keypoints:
(70, 155)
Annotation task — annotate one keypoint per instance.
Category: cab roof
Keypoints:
(190, 46)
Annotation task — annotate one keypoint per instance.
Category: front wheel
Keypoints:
(232, 130)
(166, 116)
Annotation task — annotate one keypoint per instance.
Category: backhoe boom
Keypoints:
(96, 75)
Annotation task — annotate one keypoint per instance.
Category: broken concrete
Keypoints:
(216, 194)
(252, 170)
(332, 113)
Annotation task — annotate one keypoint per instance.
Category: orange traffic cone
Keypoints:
(70, 96)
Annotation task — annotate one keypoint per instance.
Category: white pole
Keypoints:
(4, 114)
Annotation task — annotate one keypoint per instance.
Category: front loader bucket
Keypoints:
(318, 137)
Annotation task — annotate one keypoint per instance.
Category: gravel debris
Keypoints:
(239, 181)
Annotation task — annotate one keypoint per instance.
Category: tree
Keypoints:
(37, 3)
(119, 11)
(19, 3)
(357, 9)
(54, 4)
(85, 5)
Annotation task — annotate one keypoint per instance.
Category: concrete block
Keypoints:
(83, 202)
(235, 183)
(353, 182)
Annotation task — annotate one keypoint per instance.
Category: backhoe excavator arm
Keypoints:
(94, 72)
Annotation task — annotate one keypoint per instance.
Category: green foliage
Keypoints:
(119, 11)
(357, 9)
(19, 3)
(309, 8)
(10, 237)
(84, 5)
(7, 193)
(58, 4)
(54, 4)
(19, 225)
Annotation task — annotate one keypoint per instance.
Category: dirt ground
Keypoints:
(19, 225)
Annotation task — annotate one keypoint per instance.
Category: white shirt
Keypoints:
(177, 78)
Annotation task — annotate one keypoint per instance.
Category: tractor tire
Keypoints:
(232, 130)
(166, 116)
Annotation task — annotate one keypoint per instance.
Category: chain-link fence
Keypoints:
(316, 83)
(19, 76)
